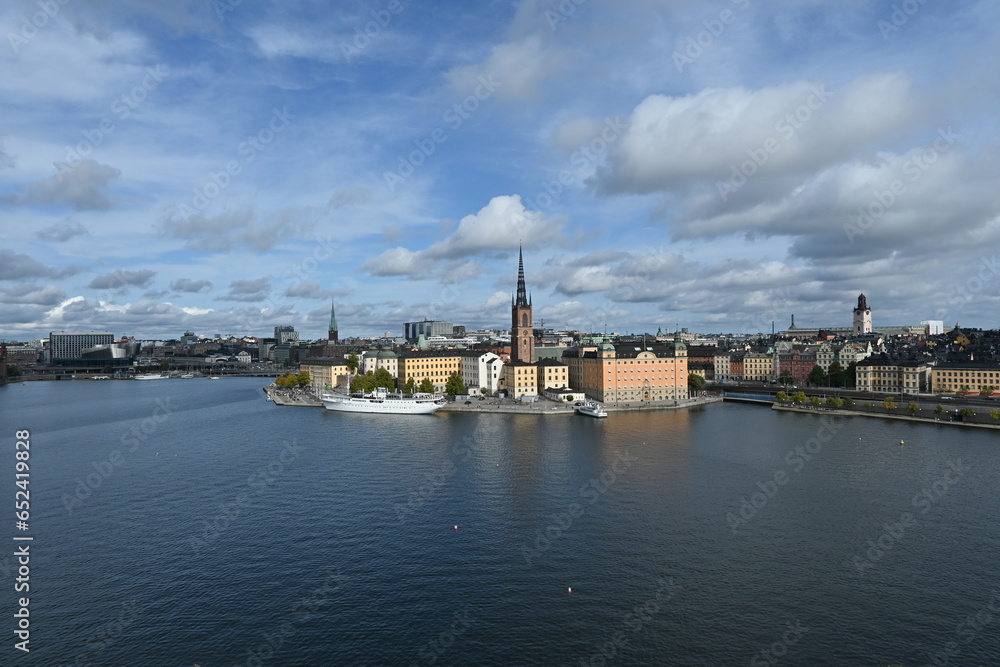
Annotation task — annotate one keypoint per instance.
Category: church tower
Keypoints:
(334, 334)
(522, 337)
(862, 317)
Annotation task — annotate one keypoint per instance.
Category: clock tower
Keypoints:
(522, 337)
(862, 317)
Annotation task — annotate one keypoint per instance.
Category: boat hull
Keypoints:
(592, 411)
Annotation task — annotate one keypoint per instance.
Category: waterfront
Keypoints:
(232, 530)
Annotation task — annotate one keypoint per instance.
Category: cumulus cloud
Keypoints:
(80, 186)
(191, 286)
(123, 279)
(18, 266)
(28, 293)
(247, 290)
(60, 232)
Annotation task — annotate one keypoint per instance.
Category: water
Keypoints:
(236, 532)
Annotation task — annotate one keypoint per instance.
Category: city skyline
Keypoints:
(231, 166)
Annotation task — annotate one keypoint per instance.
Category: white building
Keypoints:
(481, 370)
(243, 357)
(933, 327)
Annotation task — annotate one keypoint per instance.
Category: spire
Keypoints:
(333, 332)
(522, 293)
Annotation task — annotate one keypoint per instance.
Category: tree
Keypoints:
(484, 391)
(836, 375)
(786, 378)
(994, 414)
(939, 409)
(852, 375)
(834, 402)
(696, 382)
(967, 413)
(411, 385)
(987, 390)
(799, 397)
(426, 386)
(383, 378)
(14, 371)
(455, 385)
(286, 381)
(352, 363)
(889, 404)
(816, 401)
(164, 366)
(303, 379)
(107, 368)
(963, 390)
(781, 396)
(848, 402)
(817, 376)
(912, 408)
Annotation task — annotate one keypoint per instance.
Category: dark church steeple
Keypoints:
(522, 293)
(522, 334)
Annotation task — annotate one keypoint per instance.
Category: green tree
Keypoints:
(836, 375)
(817, 376)
(834, 401)
(164, 366)
(455, 385)
(383, 378)
(987, 390)
(994, 414)
(411, 385)
(912, 408)
(696, 382)
(816, 401)
(303, 379)
(352, 363)
(889, 404)
(781, 396)
(426, 386)
(14, 371)
(848, 402)
(363, 383)
(939, 409)
(963, 390)
(785, 378)
(286, 380)
(967, 413)
(852, 375)
(484, 391)
(799, 397)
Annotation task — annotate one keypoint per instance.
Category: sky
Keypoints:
(225, 166)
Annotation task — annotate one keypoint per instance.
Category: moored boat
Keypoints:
(592, 409)
(151, 376)
(382, 401)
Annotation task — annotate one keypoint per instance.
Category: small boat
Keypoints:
(187, 376)
(101, 377)
(591, 409)
(151, 376)
(214, 377)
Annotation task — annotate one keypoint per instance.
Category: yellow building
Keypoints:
(552, 374)
(758, 367)
(970, 376)
(436, 365)
(629, 371)
(325, 373)
(520, 379)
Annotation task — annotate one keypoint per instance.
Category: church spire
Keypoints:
(522, 292)
(334, 333)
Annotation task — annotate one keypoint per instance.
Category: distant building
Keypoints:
(933, 327)
(520, 379)
(67, 346)
(884, 374)
(970, 376)
(630, 371)
(427, 328)
(333, 334)
(481, 370)
(285, 334)
(436, 365)
(325, 373)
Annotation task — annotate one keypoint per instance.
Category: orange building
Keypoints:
(629, 371)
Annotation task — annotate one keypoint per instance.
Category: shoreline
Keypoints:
(840, 412)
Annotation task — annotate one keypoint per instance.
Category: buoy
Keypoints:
(901, 442)
(456, 526)
(570, 589)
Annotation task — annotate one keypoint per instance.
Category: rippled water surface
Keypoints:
(191, 522)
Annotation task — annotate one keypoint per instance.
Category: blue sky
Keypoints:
(224, 166)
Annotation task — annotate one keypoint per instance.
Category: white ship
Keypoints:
(381, 400)
(151, 376)
(592, 409)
